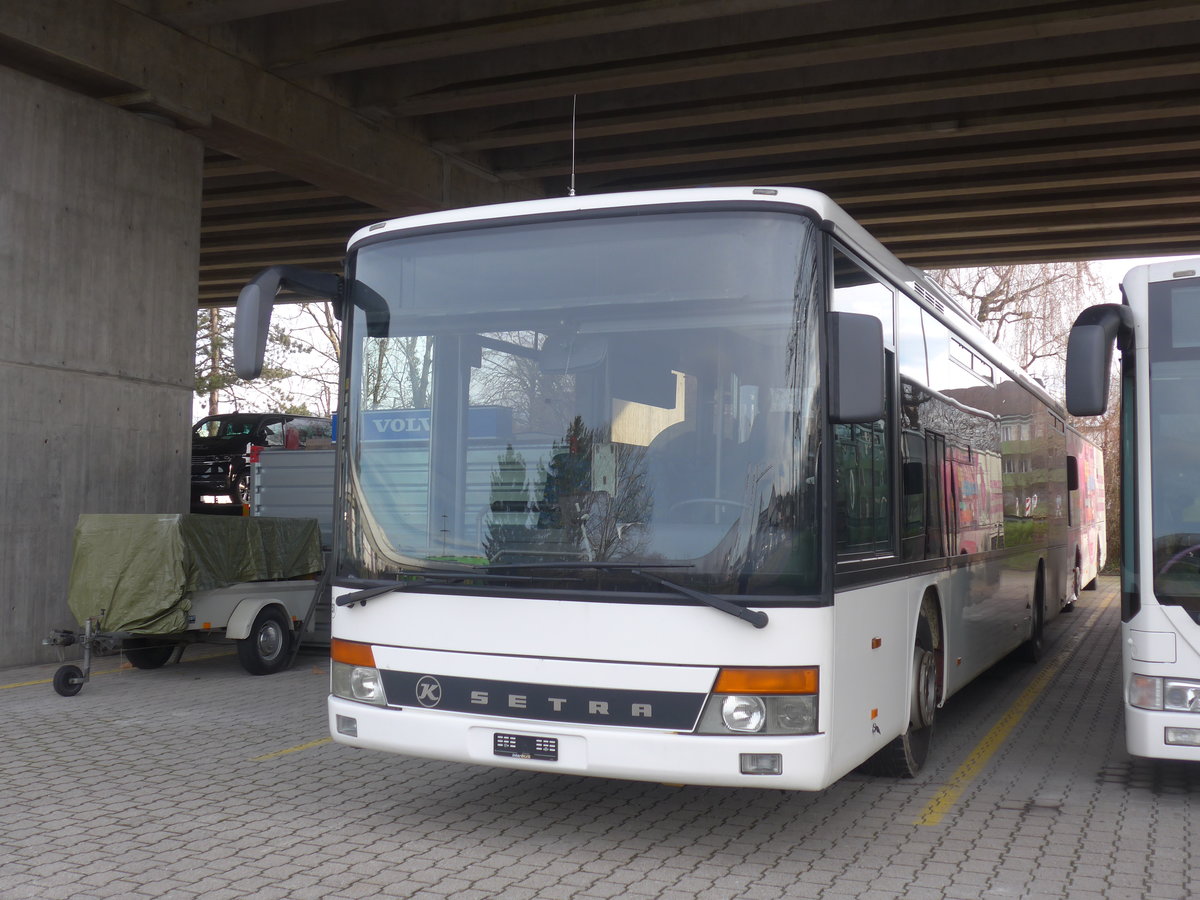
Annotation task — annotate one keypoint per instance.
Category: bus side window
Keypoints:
(861, 489)
(864, 455)
(912, 482)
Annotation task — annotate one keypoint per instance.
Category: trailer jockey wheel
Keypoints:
(68, 680)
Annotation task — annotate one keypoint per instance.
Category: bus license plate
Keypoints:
(525, 746)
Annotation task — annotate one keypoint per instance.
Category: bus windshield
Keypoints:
(634, 390)
(1174, 319)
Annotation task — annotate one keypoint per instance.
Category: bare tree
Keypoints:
(217, 385)
(300, 374)
(397, 373)
(1027, 310)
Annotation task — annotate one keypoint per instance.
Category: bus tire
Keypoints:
(265, 650)
(904, 756)
(1035, 644)
(1076, 587)
(1092, 585)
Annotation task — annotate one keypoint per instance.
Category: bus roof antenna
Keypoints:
(574, 105)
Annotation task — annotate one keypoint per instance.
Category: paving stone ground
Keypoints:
(171, 784)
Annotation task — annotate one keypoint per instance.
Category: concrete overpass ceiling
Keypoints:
(982, 131)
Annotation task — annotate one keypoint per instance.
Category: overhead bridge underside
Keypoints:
(983, 131)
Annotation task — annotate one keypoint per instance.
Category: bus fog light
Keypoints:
(761, 763)
(360, 683)
(1181, 696)
(1145, 692)
(1184, 737)
(347, 725)
(743, 714)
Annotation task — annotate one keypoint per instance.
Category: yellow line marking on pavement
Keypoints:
(17, 684)
(296, 749)
(944, 799)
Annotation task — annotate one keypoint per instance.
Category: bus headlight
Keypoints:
(762, 701)
(1181, 696)
(357, 683)
(1170, 694)
(743, 714)
(353, 674)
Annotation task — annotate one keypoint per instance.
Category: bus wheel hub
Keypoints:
(924, 698)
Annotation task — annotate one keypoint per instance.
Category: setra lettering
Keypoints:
(560, 704)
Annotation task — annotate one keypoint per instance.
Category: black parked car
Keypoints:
(221, 447)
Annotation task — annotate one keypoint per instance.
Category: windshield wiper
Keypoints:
(570, 564)
(755, 617)
(430, 578)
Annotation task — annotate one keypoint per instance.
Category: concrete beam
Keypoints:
(520, 30)
(238, 108)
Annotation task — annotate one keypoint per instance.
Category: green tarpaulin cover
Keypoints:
(139, 569)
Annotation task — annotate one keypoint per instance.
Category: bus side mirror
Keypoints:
(856, 379)
(253, 321)
(1089, 356)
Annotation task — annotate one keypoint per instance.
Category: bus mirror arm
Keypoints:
(254, 305)
(1089, 355)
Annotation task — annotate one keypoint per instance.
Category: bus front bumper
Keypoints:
(1155, 734)
(600, 751)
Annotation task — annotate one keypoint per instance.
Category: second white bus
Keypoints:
(1157, 328)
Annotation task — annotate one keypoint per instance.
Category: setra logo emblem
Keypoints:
(428, 691)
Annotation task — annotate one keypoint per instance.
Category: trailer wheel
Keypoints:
(145, 653)
(265, 650)
(68, 680)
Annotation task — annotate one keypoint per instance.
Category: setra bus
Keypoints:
(1157, 329)
(698, 486)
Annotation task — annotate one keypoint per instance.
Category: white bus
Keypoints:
(696, 486)
(1158, 331)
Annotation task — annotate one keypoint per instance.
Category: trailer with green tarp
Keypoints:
(149, 585)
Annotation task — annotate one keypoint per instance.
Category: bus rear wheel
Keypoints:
(1076, 587)
(1035, 644)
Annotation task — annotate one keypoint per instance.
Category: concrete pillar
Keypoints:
(99, 251)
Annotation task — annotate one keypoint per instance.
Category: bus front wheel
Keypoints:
(905, 755)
